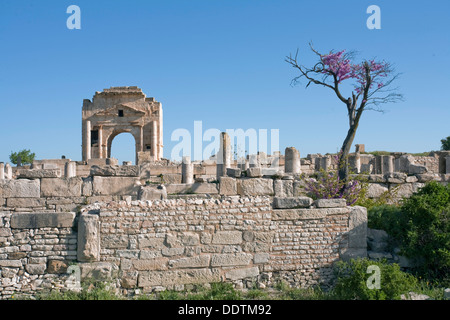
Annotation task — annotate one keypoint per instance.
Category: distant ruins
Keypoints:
(163, 224)
(117, 110)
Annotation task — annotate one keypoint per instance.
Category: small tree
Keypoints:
(371, 81)
(445, 143)
(26, 157)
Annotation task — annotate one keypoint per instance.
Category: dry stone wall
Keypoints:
(152, 245)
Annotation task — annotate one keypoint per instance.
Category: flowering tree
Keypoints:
(370, 81)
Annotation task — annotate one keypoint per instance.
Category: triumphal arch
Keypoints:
(117, 110)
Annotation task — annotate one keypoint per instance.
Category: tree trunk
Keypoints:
(345, 150)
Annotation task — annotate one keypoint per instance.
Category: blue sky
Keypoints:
(219, 62)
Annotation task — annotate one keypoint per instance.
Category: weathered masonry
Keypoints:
(152, 245)
(117, 110)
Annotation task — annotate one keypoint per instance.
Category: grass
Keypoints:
(215, 291)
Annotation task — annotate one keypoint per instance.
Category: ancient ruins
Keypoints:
(162, 224)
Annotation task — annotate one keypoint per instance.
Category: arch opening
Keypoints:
(123, 147)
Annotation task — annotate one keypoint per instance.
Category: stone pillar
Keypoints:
(87, 140)
(224, 155)
(187, 170)
(359, 148)
(2, 171)
(70, 169)
(154, 140)
(387, 164)
(325, 163)
(100, 142)
(8, 171)
(447, 164)
(292, 161)
(88, 238)
(442, 158)
(357, 162)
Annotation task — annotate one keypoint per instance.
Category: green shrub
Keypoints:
(353, 278)
(425, 235)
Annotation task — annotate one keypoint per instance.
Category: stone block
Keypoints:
(190, 262)
(417, 169)
(254, 172)
(42, 220)
(115, 171)
(227, 237)
(35, 268)
(38, 173)
(357, 235)
(376, 178)
(86, 187)
(177, 277)
(291, 202)
(118, 186)
(237, 274)
(426, 177)
(20, 188)
(261, 257)
(307, 214)
(330, 203)
(152, 192)
(56, 267)
(25, 202)
(375, 190)
(5, 232)
(283, 188)
(231, 259)
(151, 264)
(88, 249)
(255, 187)
(227, 186)
(61, 187)
(98, 270)
(395, 177)
(234, 172)
(153, 243)
(10, 263)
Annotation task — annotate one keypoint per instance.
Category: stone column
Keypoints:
(325, 163)
(224, 155)
(70, 169)
(100, 142)
(2, 171)
(88, 238)
(387, 164)
(359, 148)
(154, 140)
(8, 171)
(357, 162)
(442, 156)
(187, 170)
(87, 140)
(447, 164)
(292, 161)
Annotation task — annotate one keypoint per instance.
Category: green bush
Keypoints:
(353, 278)
(425, 235)
(26, 157)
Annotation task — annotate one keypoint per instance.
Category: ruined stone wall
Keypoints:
(152, 245)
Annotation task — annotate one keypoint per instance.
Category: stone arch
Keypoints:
(118, 110)
(133, 131)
